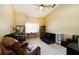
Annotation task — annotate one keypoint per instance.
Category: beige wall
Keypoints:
(5, 19)
(21, 19)
(64, 19)
(9, 17)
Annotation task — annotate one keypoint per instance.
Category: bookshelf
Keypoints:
(42, 31)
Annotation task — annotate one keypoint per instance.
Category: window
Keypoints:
(31, 27)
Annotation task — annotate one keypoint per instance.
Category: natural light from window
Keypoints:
(32, 27)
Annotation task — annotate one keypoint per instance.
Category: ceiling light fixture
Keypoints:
(41, 7)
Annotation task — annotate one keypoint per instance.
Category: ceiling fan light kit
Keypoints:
(42, 6)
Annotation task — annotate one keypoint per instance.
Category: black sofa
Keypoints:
(73, 49)
(48, 38)
(73, 46)
(69, 41)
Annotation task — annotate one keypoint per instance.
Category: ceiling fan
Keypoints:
(42, 6)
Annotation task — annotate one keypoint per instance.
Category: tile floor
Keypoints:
(46, 49)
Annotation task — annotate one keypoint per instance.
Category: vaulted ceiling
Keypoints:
(32, 10)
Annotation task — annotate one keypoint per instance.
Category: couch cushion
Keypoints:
(47, 35)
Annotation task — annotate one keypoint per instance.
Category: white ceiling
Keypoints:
(32, 10)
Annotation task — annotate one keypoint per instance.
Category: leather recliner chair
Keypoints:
(10, 46)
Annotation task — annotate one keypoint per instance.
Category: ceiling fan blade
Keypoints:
(50, 5)
(53, 5)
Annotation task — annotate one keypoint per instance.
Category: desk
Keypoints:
(31, 35)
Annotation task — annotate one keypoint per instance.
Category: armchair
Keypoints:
(10, 46)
